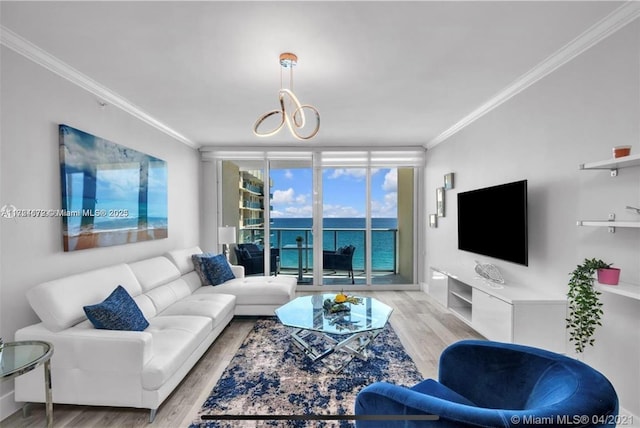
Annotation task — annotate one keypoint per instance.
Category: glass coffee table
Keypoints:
(18, 358)
(319, 332)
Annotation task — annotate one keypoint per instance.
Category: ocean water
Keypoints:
(337, 232)
(107, 223)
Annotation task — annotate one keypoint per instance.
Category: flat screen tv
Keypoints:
(492, 221)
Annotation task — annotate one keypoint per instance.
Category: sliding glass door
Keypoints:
(339, 219)
(344, 226)
(393, 225)
(368, 203)
(292, 217)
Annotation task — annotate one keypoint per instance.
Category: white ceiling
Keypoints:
(380, 73)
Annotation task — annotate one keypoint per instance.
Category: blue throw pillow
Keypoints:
(117, 312)
(213, 269)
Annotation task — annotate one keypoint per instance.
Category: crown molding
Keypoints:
(34, 53)
(613, 22)
(616, 20)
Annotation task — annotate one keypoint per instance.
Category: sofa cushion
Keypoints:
(257, 290)
(175, 338)
(146, 305)
(213, 269)
(162, 297)
(59, 303)
(117, 312)
(181, 287)
(192, 279)
(215, 306)
(182, 258)
(154, 272)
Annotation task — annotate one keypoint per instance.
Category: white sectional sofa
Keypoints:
(137, 368)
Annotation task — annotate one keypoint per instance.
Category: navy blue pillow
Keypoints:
(212, 269)
(117, 312)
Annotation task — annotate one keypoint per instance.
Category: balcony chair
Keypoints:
(490, 384)
(252, 258)
(340, 259)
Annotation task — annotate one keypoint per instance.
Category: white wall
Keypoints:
(572, 116)
(33, 102)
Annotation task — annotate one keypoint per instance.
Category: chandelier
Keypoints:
(291, 112)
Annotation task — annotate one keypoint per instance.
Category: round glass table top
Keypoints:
(17, 358)
(308, 313)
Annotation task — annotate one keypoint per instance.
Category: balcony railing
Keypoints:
(253, 188)
(252, 204)
(248, 222)
(384, 247)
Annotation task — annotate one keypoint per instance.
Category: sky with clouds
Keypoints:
(344, 192)
(116, 170)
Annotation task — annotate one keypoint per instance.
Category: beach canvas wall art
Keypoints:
(111, 194)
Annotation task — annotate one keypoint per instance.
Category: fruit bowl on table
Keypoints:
(340, 303)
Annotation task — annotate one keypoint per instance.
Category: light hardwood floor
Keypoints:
(425, 329)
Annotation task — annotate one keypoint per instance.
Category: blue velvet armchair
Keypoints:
(490, 384)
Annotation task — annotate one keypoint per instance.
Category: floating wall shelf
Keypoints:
(605, 223)
(613, 164)
(622, 289)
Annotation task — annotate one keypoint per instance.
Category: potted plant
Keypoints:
(585, 308)
(608, 275)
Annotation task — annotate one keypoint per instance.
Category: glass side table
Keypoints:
(18, 358)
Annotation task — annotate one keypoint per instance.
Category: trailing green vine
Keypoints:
(585, 308)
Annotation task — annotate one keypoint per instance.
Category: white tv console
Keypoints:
(512, 313)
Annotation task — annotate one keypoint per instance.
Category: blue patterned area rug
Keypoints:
(269, 376)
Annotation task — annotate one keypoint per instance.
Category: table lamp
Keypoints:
(226, 236)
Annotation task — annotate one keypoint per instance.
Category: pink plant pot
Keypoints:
(609, 276)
